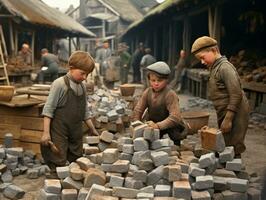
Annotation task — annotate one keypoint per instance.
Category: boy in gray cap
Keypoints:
(225, 91)
(162, 104)
(64, 111)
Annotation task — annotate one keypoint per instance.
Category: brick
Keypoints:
(234, 165)
(212, 139)
(106, 136)
(110, 155)
(106, 167)
(52, 186)
(125, 192)
(83, 192)
(96, 158)
(182, 190)
(238, 185)
(121, 166)
(172, 173)
(92, 139)
(227, 155)
(162, 190)
(204, 182)
(207, 160)
(155, 175)
(116, 181)
(76, 174)
(13, 192)
(159, 158)
(84, 163)
(200, 195)
(194, 170)
(62, 172)
(69, 183)
(140, 144)
(94, 176)
(142, 195)
(69, 194)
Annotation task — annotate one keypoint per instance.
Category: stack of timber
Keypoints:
(22, 117)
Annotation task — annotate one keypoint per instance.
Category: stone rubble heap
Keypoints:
(13, 162)
(109, 110)
(143, 166)
(197, 102)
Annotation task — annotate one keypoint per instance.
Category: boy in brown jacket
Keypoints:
(225, 91)
(162, 104)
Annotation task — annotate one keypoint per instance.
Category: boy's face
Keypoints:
(207, 57)
(157, 83)
(78, 75)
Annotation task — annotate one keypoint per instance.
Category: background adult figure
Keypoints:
(25, 54)
(124, 62)
(135, 63)
(146, 60)
(180, 71)
(102, 55)
(49, 66)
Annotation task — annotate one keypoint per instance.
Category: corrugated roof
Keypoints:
(126, 9)
(156, 11)
(37, 12)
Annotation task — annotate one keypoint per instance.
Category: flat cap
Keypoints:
(160, 68)
(202, 43)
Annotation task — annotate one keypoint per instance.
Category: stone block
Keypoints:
(234, 165)
(140, 175)
(142, 195)
(2, 153)
(227, 155)
(106, 167)
(33, 173)
(140, 144)
(112, 115)
(138, 131)
(159, 158)
(125, 192)
(224, 173)
(229, 195)
(145, 164)
(200, 195)
(172, 173)
(106, 136)
(69, 194)
(125, 140)
(91, 150)
(254, 194)
(238, 185)
(116, 181)
(48, 196)
(62, 172)
(220, 183)
(132, 183)
(3, 168)
(15, 151)
(76, 174)
(83, 192)
(204, 182)
(128, 148)
(207, 160)
(94, 191)
(137, 156)
(13, 192)
(120, 166)
(94, 176)
(69, 183)
(92, 139)
(85, 163)
(52, 186)
(110, 155)
(155, 175)
(194, 170)
(125, 156)
(162, 190)
(212, 139)
(182, 190)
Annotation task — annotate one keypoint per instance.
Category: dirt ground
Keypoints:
(254, 158)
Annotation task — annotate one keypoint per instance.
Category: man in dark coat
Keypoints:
(135, 63)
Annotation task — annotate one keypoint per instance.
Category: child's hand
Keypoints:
(45, 139)
(153, 125)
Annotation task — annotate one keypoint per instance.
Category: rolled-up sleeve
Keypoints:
(141, 106)
(174, 118)
(233, 86)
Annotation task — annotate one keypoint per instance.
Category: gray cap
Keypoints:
(160, 68)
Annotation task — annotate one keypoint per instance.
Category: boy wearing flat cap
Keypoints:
(162, 104)
(225, 91)
(64, 111)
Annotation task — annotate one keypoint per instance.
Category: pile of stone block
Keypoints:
(13, 162)
(199, 103)
(109, 110)
(257, 121)
(144, 166)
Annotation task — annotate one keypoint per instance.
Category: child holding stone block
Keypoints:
(64, 111)
(162, 104)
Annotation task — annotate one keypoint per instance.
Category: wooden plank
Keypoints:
(31, 123)
(21, 101)
(30, 136)
(30, 111)
(15, 129)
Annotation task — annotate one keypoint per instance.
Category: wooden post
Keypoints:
(32, 47)
(78, 43)
(16, 41)
(69, 46)
(11, 36)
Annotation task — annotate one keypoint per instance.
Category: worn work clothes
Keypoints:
(102, 56)
(146, 60)
(51, 61)
(179, 73)
(226, 94)
(124, 66)
(57, 96)
(26, 57)
(163, 109)
(66, 129)
(135, 63)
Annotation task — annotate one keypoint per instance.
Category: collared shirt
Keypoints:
(57, 96)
